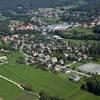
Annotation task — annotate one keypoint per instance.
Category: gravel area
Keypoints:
(90, 67)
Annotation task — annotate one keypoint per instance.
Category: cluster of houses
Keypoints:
(46, 20)
(42, 53)
(23, 27)
(38, 51)
(48, 13)
(93, 23)
(42, 50)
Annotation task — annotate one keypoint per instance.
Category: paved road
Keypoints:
(77, 72)
(80, 73)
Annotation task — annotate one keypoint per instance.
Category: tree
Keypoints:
(45, 96)
(92, 85)
(4, 29)
(27, 87)
(59, 54)
(97, 29)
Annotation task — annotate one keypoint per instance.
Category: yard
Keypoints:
(57, 85)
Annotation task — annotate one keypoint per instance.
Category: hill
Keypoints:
(11, 4)
(82, 4)
(90, 5)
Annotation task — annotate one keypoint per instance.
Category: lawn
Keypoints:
(57, 85)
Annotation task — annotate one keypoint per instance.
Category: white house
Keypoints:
(3, 60)
(74, 77)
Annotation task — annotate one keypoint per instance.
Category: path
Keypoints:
(17, 84)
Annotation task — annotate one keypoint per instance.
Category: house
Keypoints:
(47, 57)
(57, 37)
(49, 65)
(66, 70)
(62, 62)
(3, 60)
(5, 38)
(54, 59)
(74, 77)
(57, 68)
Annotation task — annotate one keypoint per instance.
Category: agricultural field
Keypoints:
(57, 85)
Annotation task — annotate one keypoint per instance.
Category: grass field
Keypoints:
(57, 85)
(82, 30)
(75, 41)
(9, 91)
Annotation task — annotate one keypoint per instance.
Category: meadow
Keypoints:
(55, 85)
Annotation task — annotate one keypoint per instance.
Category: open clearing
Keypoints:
(57, 85)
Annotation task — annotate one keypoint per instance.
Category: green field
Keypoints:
(57, 85)
(9, 91)
(78, 42)
(82, 30)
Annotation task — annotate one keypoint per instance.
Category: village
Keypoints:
(46, 20)
(49, 52)
(37, 40)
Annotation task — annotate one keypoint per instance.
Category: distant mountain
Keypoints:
(91, 5)
(11, 4)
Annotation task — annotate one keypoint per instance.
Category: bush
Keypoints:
(45, 96)
(27, 87)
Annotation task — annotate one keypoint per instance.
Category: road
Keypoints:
(80, 73)
(77, 72)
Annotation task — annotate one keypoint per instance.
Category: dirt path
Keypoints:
(18, 85)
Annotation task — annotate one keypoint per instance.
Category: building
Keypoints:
(3, 60)
(74, 77)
